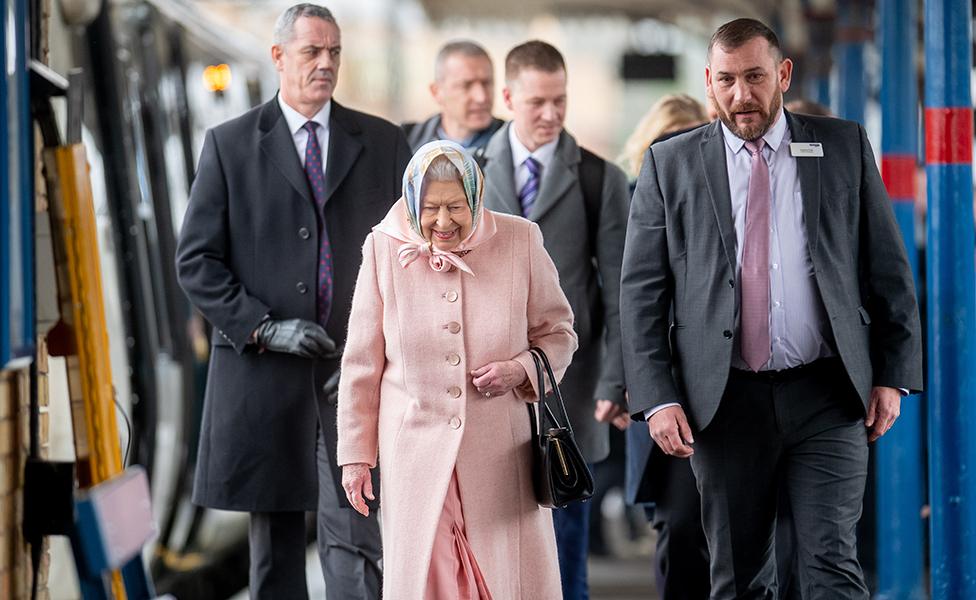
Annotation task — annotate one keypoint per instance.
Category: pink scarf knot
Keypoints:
(437, 259)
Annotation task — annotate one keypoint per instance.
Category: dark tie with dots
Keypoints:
(316, 180)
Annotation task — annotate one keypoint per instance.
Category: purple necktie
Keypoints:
(530, 190)
(316, 180)
(754, 308)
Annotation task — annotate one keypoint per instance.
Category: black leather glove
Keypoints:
(295, 336)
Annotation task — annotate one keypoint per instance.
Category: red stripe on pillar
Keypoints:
(948, 136)
(898, 172)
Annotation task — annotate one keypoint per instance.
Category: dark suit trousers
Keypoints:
(349, 544)
(277, 550)
(802, 429)
(681, 555)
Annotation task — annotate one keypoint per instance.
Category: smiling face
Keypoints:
(445, 218)
(746, 86)
(537, 100)
(308, 64)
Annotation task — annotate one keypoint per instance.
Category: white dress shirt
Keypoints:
(520, 153)
(799, 329)
(296, 125)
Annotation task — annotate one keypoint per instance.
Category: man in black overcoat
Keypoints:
(283, 198)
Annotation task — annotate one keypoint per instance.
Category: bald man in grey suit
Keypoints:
(771, 321)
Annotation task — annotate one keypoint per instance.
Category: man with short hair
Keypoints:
(772, 326)
(283, 199)
(534, 168)
(464, 89)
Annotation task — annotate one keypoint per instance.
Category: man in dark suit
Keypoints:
(772, 322)
(283, 198)
(464, 89)
(534, 168)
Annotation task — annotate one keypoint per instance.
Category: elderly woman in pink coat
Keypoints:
(435, 381)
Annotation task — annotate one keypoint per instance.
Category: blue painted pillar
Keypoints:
(820, 30)
(853, 33)
(6, 240)
(951, 298)
(898, 455)
(26, 335)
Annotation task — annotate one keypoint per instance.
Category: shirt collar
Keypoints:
(543, 153)
(773, 138)
(296, 120)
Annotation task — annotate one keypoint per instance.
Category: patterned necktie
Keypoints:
(530, 190)
(754, 310)
(316, 180)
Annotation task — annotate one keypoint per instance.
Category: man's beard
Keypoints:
(756, 130)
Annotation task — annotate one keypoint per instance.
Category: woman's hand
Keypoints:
(499, 378)
(357, 483)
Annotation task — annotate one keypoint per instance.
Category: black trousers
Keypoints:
(681, 556)
(277, 550)
(802, 430)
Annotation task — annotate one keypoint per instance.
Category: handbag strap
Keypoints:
(541, 383)
(539, 356)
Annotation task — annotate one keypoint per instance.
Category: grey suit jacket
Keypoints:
(589, 276)
(680, 255)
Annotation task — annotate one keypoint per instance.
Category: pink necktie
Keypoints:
(754, 308)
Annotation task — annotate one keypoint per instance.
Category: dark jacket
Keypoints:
(419, 134)
(245, 252)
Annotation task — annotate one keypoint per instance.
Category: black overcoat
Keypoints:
(249, 248)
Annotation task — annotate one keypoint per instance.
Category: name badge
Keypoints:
(806, 149)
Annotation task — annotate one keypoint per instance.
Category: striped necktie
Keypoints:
(316, 181)
(530, 190)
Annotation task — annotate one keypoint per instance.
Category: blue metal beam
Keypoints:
(951, 297)
(852, 34)
(898, 455)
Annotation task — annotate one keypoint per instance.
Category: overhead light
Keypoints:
(216, 78)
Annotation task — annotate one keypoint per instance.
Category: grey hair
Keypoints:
(462, 47)
(284, 29)
(442, 169)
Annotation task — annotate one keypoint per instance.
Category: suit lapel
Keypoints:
(500, 192)
(344, 148)
(717, 180)
(278, 144)
(808, 170)
(558, 177)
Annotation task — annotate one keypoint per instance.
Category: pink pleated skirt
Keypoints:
(454, 572)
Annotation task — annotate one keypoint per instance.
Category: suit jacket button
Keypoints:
(453, 359)
(453, 327)
(731, 283)
(455, 392)
(727, 334)
(301, 287)
(455, 423)
(304, 233)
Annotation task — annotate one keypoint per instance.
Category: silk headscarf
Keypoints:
(403, 221)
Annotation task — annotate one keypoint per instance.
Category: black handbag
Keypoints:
(559, 473)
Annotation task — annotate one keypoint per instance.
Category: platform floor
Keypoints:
(610, 579)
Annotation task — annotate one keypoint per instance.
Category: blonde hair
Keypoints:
(673, 112)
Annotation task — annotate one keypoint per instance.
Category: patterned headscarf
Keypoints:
(415, 244)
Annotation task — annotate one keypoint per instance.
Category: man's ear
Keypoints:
(435, 91)
(276, 52)
(785, 74)
(507, 97)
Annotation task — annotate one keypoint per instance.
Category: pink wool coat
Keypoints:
(406, 395)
